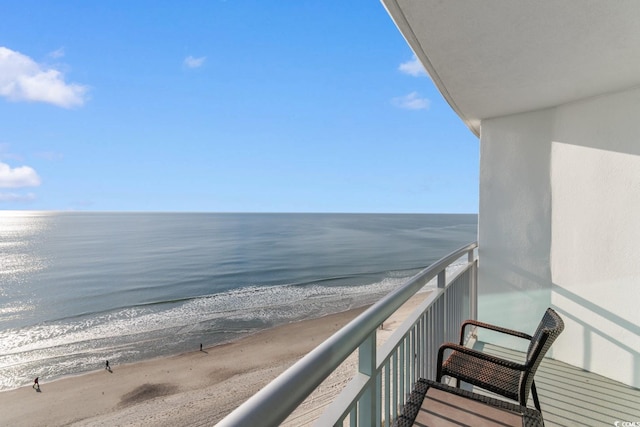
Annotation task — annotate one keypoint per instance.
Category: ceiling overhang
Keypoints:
(493, 58)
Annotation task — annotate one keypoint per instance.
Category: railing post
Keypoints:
(473, 291)
(367, 366)
(442, 279)
(444, 313)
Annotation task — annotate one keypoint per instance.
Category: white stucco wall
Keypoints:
(514, 221)
(560, 226)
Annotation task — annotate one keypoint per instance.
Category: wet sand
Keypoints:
(196, 389)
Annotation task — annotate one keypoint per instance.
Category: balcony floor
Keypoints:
(570, 396)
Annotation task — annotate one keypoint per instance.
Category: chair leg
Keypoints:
(534, 393)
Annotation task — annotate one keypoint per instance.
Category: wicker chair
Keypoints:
(503, 377)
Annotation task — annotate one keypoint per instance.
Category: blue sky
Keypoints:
(223, 106)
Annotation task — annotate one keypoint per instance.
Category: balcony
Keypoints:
(386, 372)
(570, 396)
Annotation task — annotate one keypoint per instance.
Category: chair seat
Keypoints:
(483, 373)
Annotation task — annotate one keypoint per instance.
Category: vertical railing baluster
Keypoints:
(412, 357)
(433, 337)
(394, 397)
(387, 392)
(378, 399)
(428, 338)
(409, 363)
(401, 366)
(420, 362)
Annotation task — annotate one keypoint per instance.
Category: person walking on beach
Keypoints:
(36, 384)
(106, 366)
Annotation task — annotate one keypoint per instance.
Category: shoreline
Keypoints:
(192, 388)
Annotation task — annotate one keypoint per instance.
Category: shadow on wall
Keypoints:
(595, 174)
(590, 330)
(607, 123)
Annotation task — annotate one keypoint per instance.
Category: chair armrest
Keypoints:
(491, 327)
(474, 353)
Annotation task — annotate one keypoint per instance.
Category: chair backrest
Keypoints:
(548, 330)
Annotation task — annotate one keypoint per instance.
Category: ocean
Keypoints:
(77, 289)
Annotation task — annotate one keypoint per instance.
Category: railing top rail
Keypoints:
(272, 404)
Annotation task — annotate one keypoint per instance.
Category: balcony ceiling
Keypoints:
(497, 57)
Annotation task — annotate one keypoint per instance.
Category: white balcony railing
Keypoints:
(387, 374)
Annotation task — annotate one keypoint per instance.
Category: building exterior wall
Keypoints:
(559, 220)
(514, 232)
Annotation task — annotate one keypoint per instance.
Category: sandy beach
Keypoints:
(196, 389)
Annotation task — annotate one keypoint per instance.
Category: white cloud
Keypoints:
(413, 67)
(412, 101)
(49, 155)
(22, 79)
(192, 62)
(23, 176)
(13, 197)
(5, 153)
(58, 53)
